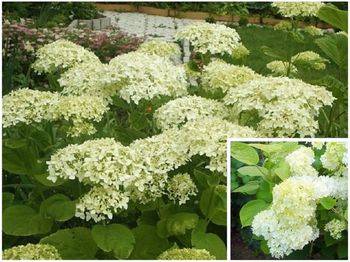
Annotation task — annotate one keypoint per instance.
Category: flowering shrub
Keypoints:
(297, 201)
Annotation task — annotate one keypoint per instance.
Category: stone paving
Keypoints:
(148, 26)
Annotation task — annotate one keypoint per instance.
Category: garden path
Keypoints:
(148, 26)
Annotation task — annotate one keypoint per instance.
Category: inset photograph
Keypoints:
(289, 200)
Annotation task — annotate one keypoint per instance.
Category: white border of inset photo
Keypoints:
(228, 174)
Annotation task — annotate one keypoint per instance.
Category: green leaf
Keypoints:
(73, 243)
(42, 179)
(272, 53)
(329, 241)
(249, 188)
(277, 147)
(244, 153)
(7, 199)
(265, 191)
(15, 143)
(250, 209)
(328, 202)
(59, 207)
(114, 237)
(253, 171)
(335, 46)
(178, 223)
(342, 250)
(148, 244)
(264, 247)
(211, 242)
(13, 162)
(282, 170)
(21, 220)
(213, 204)
(334, 16)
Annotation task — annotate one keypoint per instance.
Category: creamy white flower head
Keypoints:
(180, 188)
(212, 38)
(208, 136)
(335, 227)
(287, 106)
(31, 252)
(318, 145)
(181, 110)
(100, 203)
(240, 52)
(280, 68)
(161, 48)
(300, 162)
(28, 106)
(289, 224)
(61, 55)
(333, 157)
(314, 31)
(107, 166)
(283, 25)
(293, 9)
(148, 76)
(219, 75)
(310, 59)
(186, 254)
(95, 79)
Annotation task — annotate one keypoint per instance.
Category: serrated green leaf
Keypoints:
(211, 242)
(250, 209)
(244, 153)
(282, 170)
(249, 188)
(328, 202)
(253, 171)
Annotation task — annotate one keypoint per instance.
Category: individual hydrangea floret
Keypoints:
(148, 76)
(283, 25)
(101, 203)
(300, 162)
(288, 107)
(313, 30)
(219, 75)
(293, 9)
(161, 48)
(210, 38)
(31, 252)
(180, 187)
(335, 227)
(310, 59)
(333, 158)
(188, 108)
(240, 52)
(186, 254)
(61, 55)
(288, 224)
(281, 68)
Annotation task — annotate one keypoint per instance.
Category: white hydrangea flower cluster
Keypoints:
(318, 145)
(181, 110)
(161, 48)
(212, 38)
(148, 76)
(62, 54)
(31, 252)
(310, 59)
(180, 187)
(33, 106)
(208, 136)
(314, 31)
(287, 106)
(293, 9)
(186, 254)
(140, 170)
(289, 224)
(283, 25)
(28, 106)
(335, 227)
(280, 68)
(219, 75)
(94, 79)
(335, 158)
(101, 203)
(240, 52)
(300, 162)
